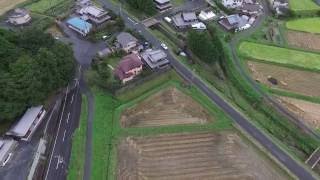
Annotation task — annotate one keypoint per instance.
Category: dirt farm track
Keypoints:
(193, 156)
(167, 107)
(6, 5)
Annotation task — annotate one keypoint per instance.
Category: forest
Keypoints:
(32, 67)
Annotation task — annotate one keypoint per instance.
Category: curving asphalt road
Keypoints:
(237, 117)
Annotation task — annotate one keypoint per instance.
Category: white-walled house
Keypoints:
(232, 3)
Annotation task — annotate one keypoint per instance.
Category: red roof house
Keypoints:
(129, 67)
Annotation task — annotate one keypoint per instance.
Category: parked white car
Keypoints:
(167, 19)
(164, 46)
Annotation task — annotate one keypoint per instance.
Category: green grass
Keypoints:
(178, 2)
(286, 57)
(51, 7)
(104, 106)
(43, 5)
(145, 87)
(77, 159)
(303, 5)
(311, 25)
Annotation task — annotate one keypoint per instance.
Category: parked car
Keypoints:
(164, 46)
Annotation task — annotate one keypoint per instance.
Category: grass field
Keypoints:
(286, 57)
(6, 5)
(303, 5)
(311, 25)
(43, 5)
(51, 7)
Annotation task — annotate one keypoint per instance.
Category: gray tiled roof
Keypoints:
(125, 38)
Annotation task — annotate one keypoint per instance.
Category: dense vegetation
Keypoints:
(32, 65)
(146, 6)
(207, 47)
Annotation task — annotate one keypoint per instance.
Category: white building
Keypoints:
(94, 14)
(207, 15)
(19, 17)
(199, 26)
(6, 148)
(232, 3)
(27, 125)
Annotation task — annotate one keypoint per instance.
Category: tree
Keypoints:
(200, 44)
(104, 71)
(146, 6)
(32, 66)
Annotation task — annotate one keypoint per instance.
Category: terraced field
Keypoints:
(311, 25)
(304, 40)
(301, 82)
(307, 111)
(167, 107)
(303, 5)
(282, 56)
(192, 156)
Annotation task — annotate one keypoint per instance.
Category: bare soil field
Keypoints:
(309, 112)
(167, 107)
(302, 82)
(192, 156)
(6, 5)
(304, 40)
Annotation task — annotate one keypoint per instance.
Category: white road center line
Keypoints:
(64, 135)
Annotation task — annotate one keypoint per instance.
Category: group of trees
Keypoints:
(146, 6)
(32, 65)
(207, 46)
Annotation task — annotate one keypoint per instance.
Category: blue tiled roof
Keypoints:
(80, 24)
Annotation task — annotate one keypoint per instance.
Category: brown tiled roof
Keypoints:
(127, 63)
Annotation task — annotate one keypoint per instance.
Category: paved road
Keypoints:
(67, 122)
(84, 51)
(242, 121)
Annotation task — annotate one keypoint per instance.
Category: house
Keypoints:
(27, 125)
(234, 22)
(232, 3)
(83, 3)
(251, 9)
(127, 42)
(184, 20)
(199, 26)
(19, 17)
(79, 25)
(163, 5)
(7, 146)
(207, 15)
(155, 59)
(94, 14)
(129, 67)
(281, 7)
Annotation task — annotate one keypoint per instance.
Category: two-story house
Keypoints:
(127, 42)
(129, 67)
